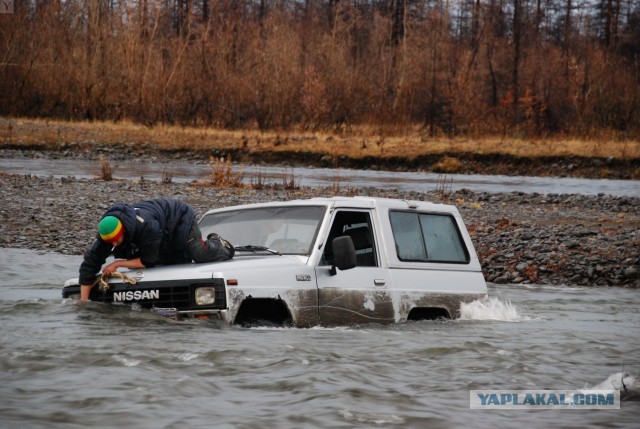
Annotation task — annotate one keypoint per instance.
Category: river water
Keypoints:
(65, 365)
(180, 171)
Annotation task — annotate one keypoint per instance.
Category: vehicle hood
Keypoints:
(233, 267)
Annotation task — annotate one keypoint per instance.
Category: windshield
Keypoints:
(288, 230)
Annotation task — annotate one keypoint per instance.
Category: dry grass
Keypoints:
(289, 182)
(357, 143)
(444, 187)
(106, 172)
(222, 175)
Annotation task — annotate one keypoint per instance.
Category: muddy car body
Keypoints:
(321, 261)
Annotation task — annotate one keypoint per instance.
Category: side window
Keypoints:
(407, 235)
(356, 225)
(426, 237)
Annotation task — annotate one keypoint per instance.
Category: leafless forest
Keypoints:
(469, 67)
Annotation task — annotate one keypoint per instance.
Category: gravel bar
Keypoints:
(520, 238)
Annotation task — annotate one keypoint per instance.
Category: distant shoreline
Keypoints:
(487, 156)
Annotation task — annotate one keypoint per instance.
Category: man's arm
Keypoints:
(94, 257)
(124, 263)
(85, 290)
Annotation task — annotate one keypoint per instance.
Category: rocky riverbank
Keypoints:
(520, 238)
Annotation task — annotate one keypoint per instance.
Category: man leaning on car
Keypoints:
(146, 234)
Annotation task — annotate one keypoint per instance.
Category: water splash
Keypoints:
(370, 418)
(126, 361)
(491, 309)
(186, 357)
(627, 384)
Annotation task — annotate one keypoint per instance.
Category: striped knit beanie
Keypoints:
(110, 229)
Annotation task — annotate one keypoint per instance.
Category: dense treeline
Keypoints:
(476, 67)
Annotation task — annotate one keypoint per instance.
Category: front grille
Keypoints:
(174, 297)
(176, 294)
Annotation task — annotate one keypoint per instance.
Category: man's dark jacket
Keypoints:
(154, 230)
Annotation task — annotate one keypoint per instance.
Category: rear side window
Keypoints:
(427, 237)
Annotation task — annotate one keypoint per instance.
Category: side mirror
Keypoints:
(344, 254)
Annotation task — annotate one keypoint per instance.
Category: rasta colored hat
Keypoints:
(110, 229)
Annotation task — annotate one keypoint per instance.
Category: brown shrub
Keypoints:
(327, 65)
(105, 169)
(449, 165)
(222, 175)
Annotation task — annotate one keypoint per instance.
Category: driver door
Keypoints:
(361, 294)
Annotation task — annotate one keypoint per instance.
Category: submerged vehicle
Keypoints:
(320, 261)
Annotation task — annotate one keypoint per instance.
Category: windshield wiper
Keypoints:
(254, 249)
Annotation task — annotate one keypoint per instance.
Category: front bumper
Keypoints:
(170, 298)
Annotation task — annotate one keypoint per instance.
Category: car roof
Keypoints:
(349, 202)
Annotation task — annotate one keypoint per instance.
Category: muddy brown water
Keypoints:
(65, 365)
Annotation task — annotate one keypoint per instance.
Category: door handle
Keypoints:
(379, 282)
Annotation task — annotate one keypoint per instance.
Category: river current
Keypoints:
(65, 365)
(179, 171)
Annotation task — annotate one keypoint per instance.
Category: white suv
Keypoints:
(321, 261)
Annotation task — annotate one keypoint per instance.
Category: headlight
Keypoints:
(205, 295)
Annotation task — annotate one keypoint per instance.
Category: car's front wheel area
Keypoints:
(263, 312)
